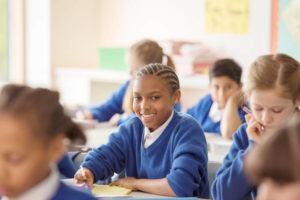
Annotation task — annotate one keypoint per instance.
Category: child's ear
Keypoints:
(57, 148)
(241, 85)
(177, 96)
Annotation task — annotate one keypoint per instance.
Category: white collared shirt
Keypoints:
(215, 113)
(150, 137)
(44, 190)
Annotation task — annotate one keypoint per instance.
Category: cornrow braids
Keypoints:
(163, 71)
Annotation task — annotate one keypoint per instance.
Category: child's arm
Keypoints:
(154, 186)
(112, 106)
(231, 182)
(231, 121)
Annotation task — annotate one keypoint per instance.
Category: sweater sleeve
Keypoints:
(109, 158)
(230, 182)
(112, 106)
(188, 175)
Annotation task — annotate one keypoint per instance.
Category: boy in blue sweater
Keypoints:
(220, 111)
(163, 151)
(273, 90)
(33, 127)
(118, 108)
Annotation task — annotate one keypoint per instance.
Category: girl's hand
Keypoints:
(254, 129)
(88, 177)
(128, 182)
(114, 119)
(84, 115)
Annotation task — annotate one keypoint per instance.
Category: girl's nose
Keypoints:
(145, 105)
(266, 117)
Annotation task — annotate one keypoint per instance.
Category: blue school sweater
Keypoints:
(114, 105)
(66, 167)
(201, 113)
(179, 154)
(231, 182)
(65, 192)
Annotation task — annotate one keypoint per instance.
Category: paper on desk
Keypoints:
(110, 191)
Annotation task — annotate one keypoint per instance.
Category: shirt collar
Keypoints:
(150, 137)
(44, 190)
(215, 113)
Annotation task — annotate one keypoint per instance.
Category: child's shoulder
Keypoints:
(67, 192)
(184, 119)
(206, 101)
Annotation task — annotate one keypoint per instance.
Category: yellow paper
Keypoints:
(109, 190)
(227, 16)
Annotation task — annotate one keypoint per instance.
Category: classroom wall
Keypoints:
(74, 33)
(79, 27)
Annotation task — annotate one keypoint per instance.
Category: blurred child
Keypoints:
(163, 152)
(220, 111)
(33, 128)
(277, 170)
(273, 91)
(118, 108)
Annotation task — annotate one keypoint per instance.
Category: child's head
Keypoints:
(155, 92)
(275, 162)
(145, 52)
(225, 79)
(273, 88)
(33, 127)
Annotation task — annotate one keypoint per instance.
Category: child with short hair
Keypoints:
(273, 92)
(276, 170)
(220, 111)
(164, 152)
(118, 108)
(33, 128)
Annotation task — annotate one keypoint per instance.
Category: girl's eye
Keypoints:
(258, 109)
(216, 87)
(277, 110)
(14, 159)
(136, 98)
(155, 97)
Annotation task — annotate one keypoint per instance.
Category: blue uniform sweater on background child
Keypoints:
(201, 113)
(179, 154)
(230, 182)
(66, 167)
(114, 105)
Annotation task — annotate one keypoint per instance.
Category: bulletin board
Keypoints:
(285, 34)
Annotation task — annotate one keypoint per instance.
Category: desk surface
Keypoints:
(135, 194)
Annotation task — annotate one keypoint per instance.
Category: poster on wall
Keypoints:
(227, 16)
(285, 36)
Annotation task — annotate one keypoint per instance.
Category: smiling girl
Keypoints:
(163, 152)
(273, 90)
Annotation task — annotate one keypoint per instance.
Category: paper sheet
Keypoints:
(110, 191)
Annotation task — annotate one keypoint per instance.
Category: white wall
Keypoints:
(122, 22)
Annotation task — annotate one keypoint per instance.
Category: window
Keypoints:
(3, 40)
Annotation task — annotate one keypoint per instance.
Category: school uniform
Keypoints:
(230, 182)
(66, 167)
(202, 113)
(52, 188)
(177, 152)
(114, 105)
